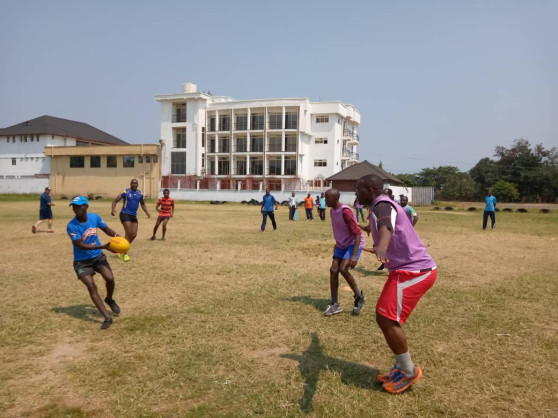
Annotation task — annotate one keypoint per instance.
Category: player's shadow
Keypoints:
(87, 313)
(364, 272)
(313, 361)
(320, 304)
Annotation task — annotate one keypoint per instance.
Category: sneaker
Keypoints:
(400, 381)
(152, 238)
(120, 256)
(333, 309)
(387, 377)
(359, 302)
(113, 306)
(107, 323)
(126, 257)
(381, 267)
(50, 231)
(34, 229)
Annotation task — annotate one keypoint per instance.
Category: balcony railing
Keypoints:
(241, 126)
(178, 117)
(350, 155)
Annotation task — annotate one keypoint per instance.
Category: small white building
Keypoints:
(24, 167)
(287, 142)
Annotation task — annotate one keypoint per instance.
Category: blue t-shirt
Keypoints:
(88, 231)
(322, 203)
(131, 201)
(268, 202)
(45, 200)
(490, 202)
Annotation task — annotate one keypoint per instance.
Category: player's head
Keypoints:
(47, 189)
(489, 192)
(134, 184)
(332, 198)
(79, 205)
(267, 190)
(293, 194)
(166, 192)
(308, 194)
(368, 188)
(403, 200)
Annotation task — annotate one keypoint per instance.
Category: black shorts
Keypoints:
(124, 217)
(162, 218)
(91, 266)
(45, 214)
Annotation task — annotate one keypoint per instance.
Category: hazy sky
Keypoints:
(436, 82)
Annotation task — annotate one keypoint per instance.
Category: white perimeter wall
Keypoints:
(23, 185)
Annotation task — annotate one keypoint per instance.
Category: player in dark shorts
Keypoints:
(88, 255)
(132, 199)
(45, 211)
(165, 207)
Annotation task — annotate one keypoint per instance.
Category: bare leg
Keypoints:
(334, 280)
(95, 297)
(157, 227)
(50, 224)
(165, 227)
(344, 269)
(393, 333)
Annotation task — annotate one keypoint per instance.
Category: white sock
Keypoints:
(405, 363)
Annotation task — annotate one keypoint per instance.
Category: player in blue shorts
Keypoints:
(132, 199)
(88, 255)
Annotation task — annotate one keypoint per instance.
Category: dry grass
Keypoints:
(221, 320)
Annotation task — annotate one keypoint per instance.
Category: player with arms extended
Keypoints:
(88, 255)
(411, 273)
(165, 207)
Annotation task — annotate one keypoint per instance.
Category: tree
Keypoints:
(485, 173)
(436, 177)
(460, 186)
(409, 180)
(505, 191)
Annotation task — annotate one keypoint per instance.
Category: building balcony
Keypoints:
(349, 155)
(178, 118)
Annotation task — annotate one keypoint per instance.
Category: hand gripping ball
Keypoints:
(119, 244)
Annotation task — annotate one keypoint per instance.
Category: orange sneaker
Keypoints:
(387, 377)
(34, 229)
(401, 381)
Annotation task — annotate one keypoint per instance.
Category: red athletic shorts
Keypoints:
(402, 291)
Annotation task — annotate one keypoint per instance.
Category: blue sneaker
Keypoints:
(400, 381)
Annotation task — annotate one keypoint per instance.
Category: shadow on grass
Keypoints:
(313, 361)
(87, 313)
(367, 273)
(320, 304)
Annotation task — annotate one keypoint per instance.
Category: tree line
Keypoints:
(522, 172)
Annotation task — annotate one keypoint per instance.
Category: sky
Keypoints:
(436, 82)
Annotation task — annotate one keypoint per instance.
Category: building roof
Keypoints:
(356, 171)
(62, 127)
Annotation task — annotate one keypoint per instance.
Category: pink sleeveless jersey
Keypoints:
(344, 237)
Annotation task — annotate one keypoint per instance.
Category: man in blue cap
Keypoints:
(89, 257)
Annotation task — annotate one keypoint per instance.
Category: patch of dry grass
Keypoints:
(222, 320)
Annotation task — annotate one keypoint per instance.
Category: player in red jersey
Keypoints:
(165, 207)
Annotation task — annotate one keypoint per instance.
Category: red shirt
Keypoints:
(166, 204)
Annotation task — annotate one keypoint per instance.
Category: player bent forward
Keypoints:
(88, 255)
(346, 252)
(411, 273)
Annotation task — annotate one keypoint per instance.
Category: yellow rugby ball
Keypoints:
(119, 244)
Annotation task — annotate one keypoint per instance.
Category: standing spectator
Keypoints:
(358, 209)
(45, 211)
(292, 206)
(411, 273)
(88, 255)
(411, 213)
(133, 198)
(489, 210)
(309, 206)
(322, 207)
(165, 207)
(349, 242)
(268, 203)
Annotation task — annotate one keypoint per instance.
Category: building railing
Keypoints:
(178, 117)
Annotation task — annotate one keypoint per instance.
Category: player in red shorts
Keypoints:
(411, 273)
(165, 207)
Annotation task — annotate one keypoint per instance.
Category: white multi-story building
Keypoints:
(289, 141)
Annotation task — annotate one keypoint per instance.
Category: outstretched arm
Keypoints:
(114, 202)
(144, 207)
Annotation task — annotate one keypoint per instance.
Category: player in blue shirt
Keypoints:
(132, 199)
(45, 211)
(489, 210)
(88, 255)
(268, 203)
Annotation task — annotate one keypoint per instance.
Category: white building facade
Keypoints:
(290, 142)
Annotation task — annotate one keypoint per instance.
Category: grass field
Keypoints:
(221, 320)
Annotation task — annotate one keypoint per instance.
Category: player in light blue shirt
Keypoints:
(489, 210)
(268, 203)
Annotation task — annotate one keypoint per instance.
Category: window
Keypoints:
(241, 122)
(111, 161)
(320, 140)
(224, 123)
(211, 145)
(240, 167)
(95, 161)
(180, 115)
(322, 119)
(203, 160)
(275, 121)
(128, 161)
(256, 122)
(240, 144)
(212, 124)
(256, 166)
(148, 159)
(212, 167)
(203, 137)
(224, 144)
(274, 166)
(14, 162)
(77, 162)
(291, 120)
(256, 143)
(290, 143)
(320, 163)
(223, 166)
(180, 138)
(140, 159)
(274, 144)
(178, 163)
(290, 166)
(155, 158)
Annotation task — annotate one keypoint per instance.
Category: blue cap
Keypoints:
(79, 200)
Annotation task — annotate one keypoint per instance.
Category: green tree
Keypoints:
(485, 173)
(409, 180)
(460, 186)
(436, 177)
(505, 191)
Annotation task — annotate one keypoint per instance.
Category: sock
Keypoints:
(405, 363)
(358, 293)
(334, 299)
